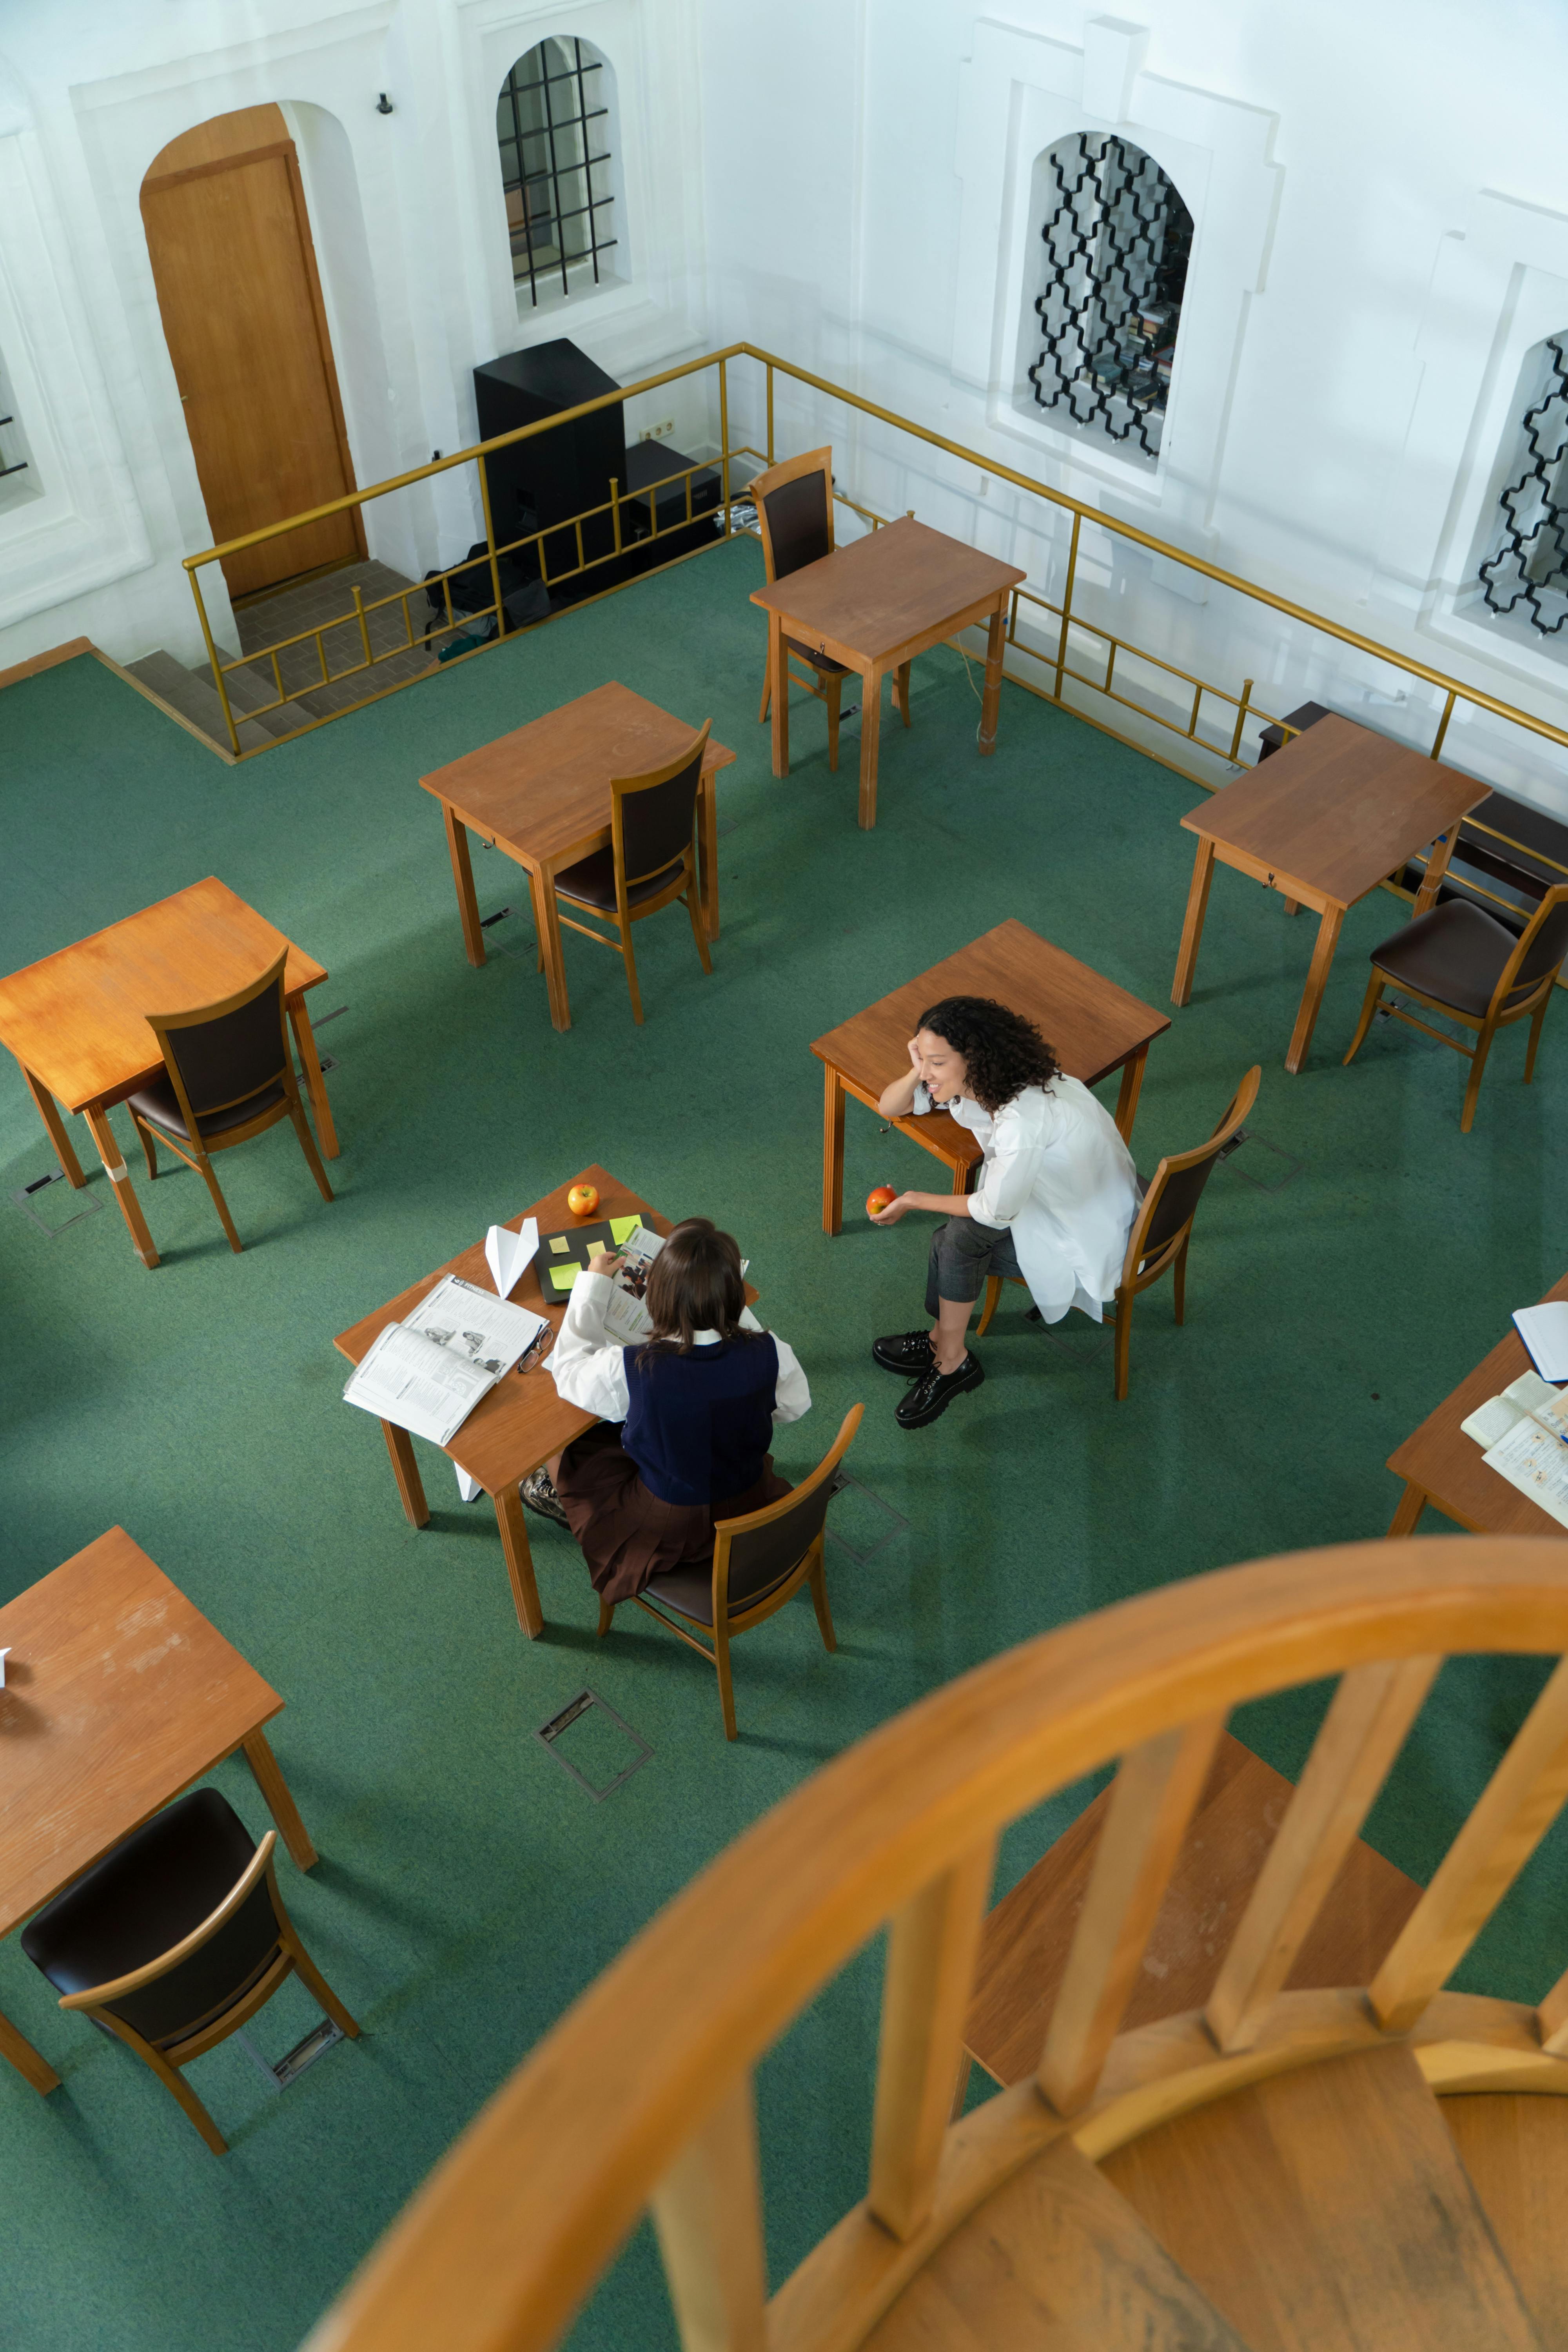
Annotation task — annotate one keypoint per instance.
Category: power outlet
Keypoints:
(660, 432)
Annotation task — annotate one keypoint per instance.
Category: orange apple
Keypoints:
(582, 1199)
(882, 1198)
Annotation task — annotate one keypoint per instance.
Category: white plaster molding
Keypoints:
(1499, 287)
(1019, 95)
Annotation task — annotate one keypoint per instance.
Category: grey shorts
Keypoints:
(962, 1254)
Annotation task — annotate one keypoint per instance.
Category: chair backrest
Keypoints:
(1171, 1203)
(1541, 947)
(192, 1888)
(651, 815)
(219, 1053)
(752, 1555)
(795, 512)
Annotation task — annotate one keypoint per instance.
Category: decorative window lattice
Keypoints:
(1530, 566)
(1117, 243)
(553, 124)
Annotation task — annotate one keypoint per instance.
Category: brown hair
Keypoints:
(695, 1284)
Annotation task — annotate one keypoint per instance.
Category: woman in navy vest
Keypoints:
(696, 1404)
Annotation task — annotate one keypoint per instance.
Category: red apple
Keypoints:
(582, 1199)
(882, 1198)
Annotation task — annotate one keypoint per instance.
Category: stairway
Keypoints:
(321, 603)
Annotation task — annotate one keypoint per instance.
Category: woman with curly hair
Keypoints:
(1055, 1203)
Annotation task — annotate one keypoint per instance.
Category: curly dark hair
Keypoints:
(695, 1284)
(1003, 1053)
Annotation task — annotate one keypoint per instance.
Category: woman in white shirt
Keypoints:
(1055, 1203)
(685, 1416)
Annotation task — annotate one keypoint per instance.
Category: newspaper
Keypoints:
(427, 1373)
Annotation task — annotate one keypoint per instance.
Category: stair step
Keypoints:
(249, 687)
(1327, 2210)
(1515, 2150)
(196, 699)
(1055, 2262)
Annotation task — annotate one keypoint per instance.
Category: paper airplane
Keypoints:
(510, 1255)
(468, 1489)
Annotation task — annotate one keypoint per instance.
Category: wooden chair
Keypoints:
(650, 860)
(1161, 1229)
(228, 1075)
(1460, 961)
(794, 514)
(1277, 2167)
(174, 1940)
(759, 1563)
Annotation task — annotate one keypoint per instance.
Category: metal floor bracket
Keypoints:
(293, 2062)
(573, 1712)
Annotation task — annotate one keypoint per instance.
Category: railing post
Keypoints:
(1442, 723)
(212, 656)
(616, 508)
(490, 543)
(1067, 605)
(1241, 710)
(770, 411)
(724, 444)
(363, 625)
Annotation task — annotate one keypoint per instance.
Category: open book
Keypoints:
(428, 1373)
(1525, 1434)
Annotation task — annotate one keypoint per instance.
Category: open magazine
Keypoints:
(1525, 1434)
(626, 1319)
(428, 1372)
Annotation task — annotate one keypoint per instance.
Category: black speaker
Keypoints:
(558, 474)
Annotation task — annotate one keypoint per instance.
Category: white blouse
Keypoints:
(590, 1370)
(1057, 1176)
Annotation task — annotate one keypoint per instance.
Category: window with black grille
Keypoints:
(552, 123)
(1117, 238)
(1526, 574)
(18, 481)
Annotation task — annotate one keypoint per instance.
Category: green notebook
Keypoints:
(563, 1256)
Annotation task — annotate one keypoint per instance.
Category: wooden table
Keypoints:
(873, 605)
(1441, 1467)
(542, 795)
(118, 1696)
(522, 1421)
(1023, 1947)
(1324, 820)
(75, 1021)
(1094, 1026)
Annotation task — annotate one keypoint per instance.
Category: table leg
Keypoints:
(778, 670)
(870, 729)
(547, 924)
(832, 1150)
(901, 689)
(1192, 929)
(961, 1171)
(1131, 1087)
(405, 1470)
(25, 2058)
(992, 695)
(518, 1561)
(118, 1176)
(315, 1080)
(1412, 1503)
(1292, 906)
(1317, 980)
(463, 876)
(50, 1112)
(279, 1801)
(708, 851)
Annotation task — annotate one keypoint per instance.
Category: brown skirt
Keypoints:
(626, 1534)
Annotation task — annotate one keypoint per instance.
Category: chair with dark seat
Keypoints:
(759, 1563)
(649, 862)
(794, 515)
(228, 1075)
(176, 1939)
(1161, 1230)
(1460, 961)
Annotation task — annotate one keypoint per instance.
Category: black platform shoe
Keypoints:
(908, 1353)
(934, 1392)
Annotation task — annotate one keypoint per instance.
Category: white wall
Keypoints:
(1379, 237)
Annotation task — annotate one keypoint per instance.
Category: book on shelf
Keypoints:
(1525, 1434)
(428, 1372)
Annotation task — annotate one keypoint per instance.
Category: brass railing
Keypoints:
(1053, 655)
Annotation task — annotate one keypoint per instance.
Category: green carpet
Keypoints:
(469, 1887)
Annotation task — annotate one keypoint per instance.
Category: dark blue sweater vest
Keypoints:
(699, 1426)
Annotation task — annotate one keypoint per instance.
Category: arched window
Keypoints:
(554, 124)
(1527, 569)
(1116, 237)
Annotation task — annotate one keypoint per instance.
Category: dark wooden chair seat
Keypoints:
(650, 863)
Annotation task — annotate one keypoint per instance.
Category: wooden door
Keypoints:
(229, 241)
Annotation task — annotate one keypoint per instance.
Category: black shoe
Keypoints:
(908, 1353)
(538, 1491)
(934, 1392)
